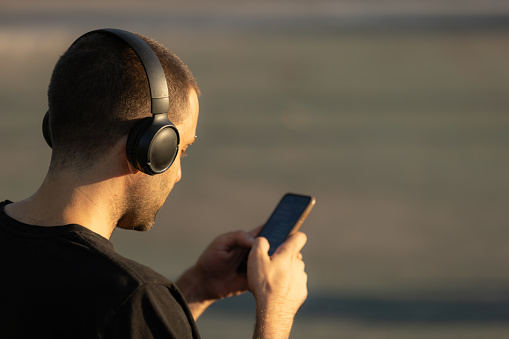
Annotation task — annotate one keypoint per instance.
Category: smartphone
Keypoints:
(286, 219)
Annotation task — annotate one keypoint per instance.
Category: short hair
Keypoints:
(99, 90)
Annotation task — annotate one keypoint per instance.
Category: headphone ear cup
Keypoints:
(133, 142)
(46, 132)
(153, 145)
(163, 148)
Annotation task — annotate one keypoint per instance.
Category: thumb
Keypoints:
(260, 249)
(257, 260)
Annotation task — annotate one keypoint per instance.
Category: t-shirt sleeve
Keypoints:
(151, 312)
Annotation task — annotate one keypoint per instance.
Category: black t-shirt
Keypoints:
(68, 282)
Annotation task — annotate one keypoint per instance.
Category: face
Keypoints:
(150, 192)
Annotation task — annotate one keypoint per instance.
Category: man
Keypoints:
(61, 277)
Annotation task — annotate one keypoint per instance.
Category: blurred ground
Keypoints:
(398, 127)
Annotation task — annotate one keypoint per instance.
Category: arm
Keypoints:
(214, 276)
(279, 285)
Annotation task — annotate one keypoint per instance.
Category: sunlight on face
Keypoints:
(150, 192)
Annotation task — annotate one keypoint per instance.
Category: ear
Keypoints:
(131, 168)
(120, 152)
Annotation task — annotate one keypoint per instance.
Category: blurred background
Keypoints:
(393, 114)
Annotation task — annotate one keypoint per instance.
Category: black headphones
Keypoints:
(153, 143)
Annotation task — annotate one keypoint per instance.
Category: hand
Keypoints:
(278, 283)
(214, 276)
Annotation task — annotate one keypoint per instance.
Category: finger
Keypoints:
(235, 239)
(243, 239)
(293, 244)
(258, 260)
(260, 249)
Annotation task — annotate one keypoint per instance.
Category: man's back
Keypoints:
(68, 282)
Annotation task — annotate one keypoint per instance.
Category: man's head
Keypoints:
(99, 90)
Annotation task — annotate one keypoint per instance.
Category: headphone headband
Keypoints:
(153, 143)
(160, 102)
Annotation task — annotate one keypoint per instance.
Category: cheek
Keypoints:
(177, 170)
(174, 173)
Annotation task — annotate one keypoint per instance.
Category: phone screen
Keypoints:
(283, 219)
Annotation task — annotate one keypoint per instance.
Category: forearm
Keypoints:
(279, 285)
(192, 289)
(272, 324)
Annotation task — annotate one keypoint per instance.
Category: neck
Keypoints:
(74, 198)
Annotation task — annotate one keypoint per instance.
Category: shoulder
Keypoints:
(114, 264)
(155, 308)
(89, 287)
(152, 311)
(143, 303)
